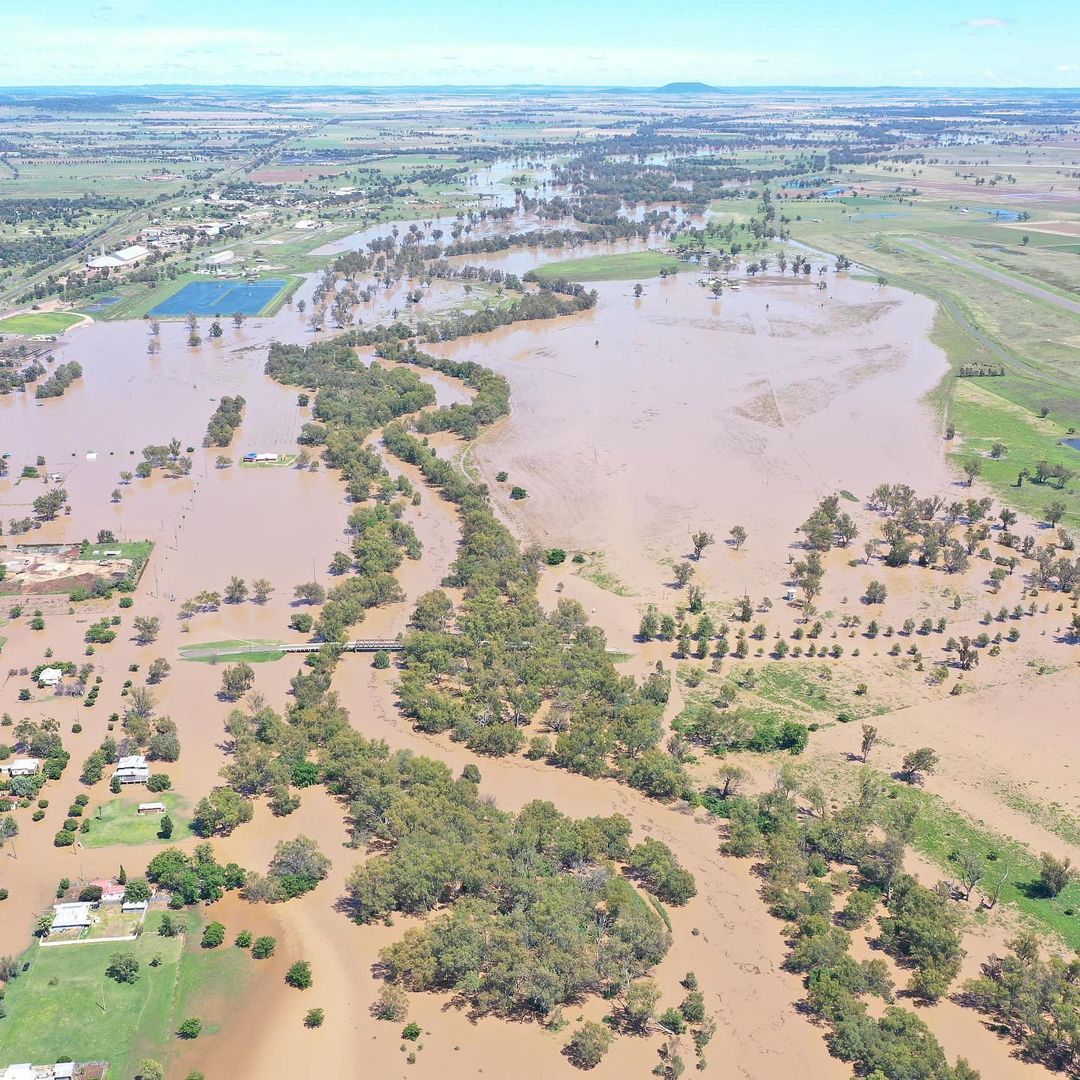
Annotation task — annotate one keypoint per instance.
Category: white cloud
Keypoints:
(988, 23)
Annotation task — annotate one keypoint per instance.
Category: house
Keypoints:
(132, 770)
(71, 916)
(111, 892)
(151, 808)
(135, 907)
(64, 1070)
(50, 676)
(21, 767)
(251, 458)
(125, 258)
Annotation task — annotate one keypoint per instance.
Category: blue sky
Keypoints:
(559, 42)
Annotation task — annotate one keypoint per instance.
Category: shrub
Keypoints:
(314, 1018)
(243, 939)
(213, 935)
(411, 1032)
(190, 1028)
(382, 660)
(299, 975)
(555, 556)
(263, 948)
(588, 1045)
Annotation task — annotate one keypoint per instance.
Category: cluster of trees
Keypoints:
(296, 868)
(224, 422)
(62, 377)
(167, 457)
(828, 872)
(48, 505)
(1035, 999)
(192, 877)
(539, 914)
(506, 656)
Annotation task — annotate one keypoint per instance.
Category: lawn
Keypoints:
(129, 549)
(625, 267)
(253, 651)
(943, 833)
(983, 418)
(119, 821)
(38, 322)
(66, 1007)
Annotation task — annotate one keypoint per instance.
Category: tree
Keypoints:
(639, 1004)
(701, 540)
(123, 967)
(729, 778)
(236, 591)
(972, 468)
(147, 628)
(261, 590)
(638, 290)
(967, 656)
(869, 738)
(264, 947)
(1054, 511)
(220, 812)
(236, 681)
(683, 572)
(213, 935)
(299, 975)
(876, 592)
(136, 891)
(192, 1026)
(971, 870)
(650, 624)
(1054, 874)
(310, 592)
(9, 829)
(165, 827)
(918, 762)
(314, 1018)
(392, 1003)
(738, 536)
(588, 1045)
(159, 668)
(149, 1069)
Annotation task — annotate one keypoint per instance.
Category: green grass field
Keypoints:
(942, 833)
(129, 549)
(66, 1007)
(38, 322)
(254, 651)
(625, 267)
(119, 821)
(983, 418)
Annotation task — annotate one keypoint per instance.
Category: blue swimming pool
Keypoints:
(221, 297)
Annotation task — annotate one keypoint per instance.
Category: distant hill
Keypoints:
(687, 88)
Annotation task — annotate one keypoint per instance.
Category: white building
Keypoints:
(132, 770)
(50, 676)
(220, 258)
(64, 1070)
(21, 767)
(123, 259)
(71, 916)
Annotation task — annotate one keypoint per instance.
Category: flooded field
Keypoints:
(647, 419)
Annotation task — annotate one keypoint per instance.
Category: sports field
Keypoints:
(221, 298)
(38, 322)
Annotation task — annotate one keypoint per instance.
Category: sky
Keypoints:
(555, 42)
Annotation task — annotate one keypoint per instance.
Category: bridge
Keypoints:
(257, 650)
(362, 645)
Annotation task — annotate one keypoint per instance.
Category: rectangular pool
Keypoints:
(221, 298)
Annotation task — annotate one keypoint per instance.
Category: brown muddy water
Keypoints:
(632, 425)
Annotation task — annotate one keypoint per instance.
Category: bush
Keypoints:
(411, 1032)
(588, 1045)
(213, 935)
(299, 975)
(190, 1028)
(555, 556)
(382, 660)
(314, 1018)
(263, 948)
(243, 939)
(302, 621)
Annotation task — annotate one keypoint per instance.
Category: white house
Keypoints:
(132, 770)
(63, 1070)
(21, 767)
(71, 916)
(50, 676)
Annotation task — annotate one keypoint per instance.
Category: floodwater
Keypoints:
(644, 420)
(632, 425)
